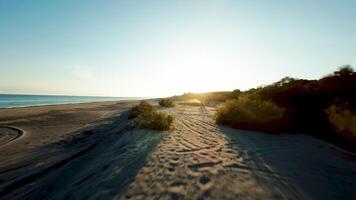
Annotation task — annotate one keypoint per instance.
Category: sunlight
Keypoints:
(177, 99)
(194, 68)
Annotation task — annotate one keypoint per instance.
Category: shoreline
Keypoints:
(59, 104)
(49, 124)
(50, 107)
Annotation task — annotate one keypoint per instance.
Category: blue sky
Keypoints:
(162, 48)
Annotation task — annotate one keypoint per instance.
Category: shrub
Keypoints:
(145, 116)
(192, 102)
(248, 113)
(342, 120)
(166, 102)
(209, 97)
(143, 107)
(154, 120)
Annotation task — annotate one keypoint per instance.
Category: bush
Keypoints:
(145, 116)
(248, 113)
(192, 102)
(208, 97)
(143, 107)
(155, 121)
(166, 102)
(342, 120)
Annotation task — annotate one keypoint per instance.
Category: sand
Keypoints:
(41, 125)
(87, 152)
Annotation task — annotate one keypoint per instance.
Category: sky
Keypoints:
(163, 48)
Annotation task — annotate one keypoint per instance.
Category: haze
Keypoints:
(163, 48)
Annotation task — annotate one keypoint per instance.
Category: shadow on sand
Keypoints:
(294, 166)
(97, 163)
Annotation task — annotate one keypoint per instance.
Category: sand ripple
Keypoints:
(196, 161)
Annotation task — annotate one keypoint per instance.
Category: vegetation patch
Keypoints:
(141, 109)
(208, 98)
(299, 105)
(290, 105)
(145, 116)
(191, 102)
(254, 114)
(167, 102)
(342, 119)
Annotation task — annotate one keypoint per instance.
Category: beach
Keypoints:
(86, 151)
(43, 125)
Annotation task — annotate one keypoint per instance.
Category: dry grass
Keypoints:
(254, 114)
(191, 102)
(145, 116)
(166, 102)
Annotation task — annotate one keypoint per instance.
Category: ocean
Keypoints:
(15, 100)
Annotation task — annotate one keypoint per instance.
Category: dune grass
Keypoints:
(191, 102)
(166, 102)
(325, 108)
(141, 109)
(208, 97)
(248, 113)
(145, 116)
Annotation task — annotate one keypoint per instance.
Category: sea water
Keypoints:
(15, 100)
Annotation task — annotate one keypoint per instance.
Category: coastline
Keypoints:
(86, 149)
(58, 135)
(39, 109)
(48, 124)
(60, 104)
(8, 101)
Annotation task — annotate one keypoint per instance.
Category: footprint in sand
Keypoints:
(195, 161)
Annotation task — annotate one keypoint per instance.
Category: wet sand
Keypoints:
(87, 152)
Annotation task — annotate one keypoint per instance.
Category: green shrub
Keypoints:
(143, 107)
(155, 121)
(342, 120)
(248, 113)
(145, 116)
(166, 102)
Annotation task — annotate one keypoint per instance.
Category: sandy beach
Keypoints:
(177, 100)
(41, 125)
(85, 151)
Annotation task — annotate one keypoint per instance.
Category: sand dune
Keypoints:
(198, 160)
(201, 160)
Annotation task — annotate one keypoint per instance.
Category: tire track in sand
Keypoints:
(9, 134)
(197, 161)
